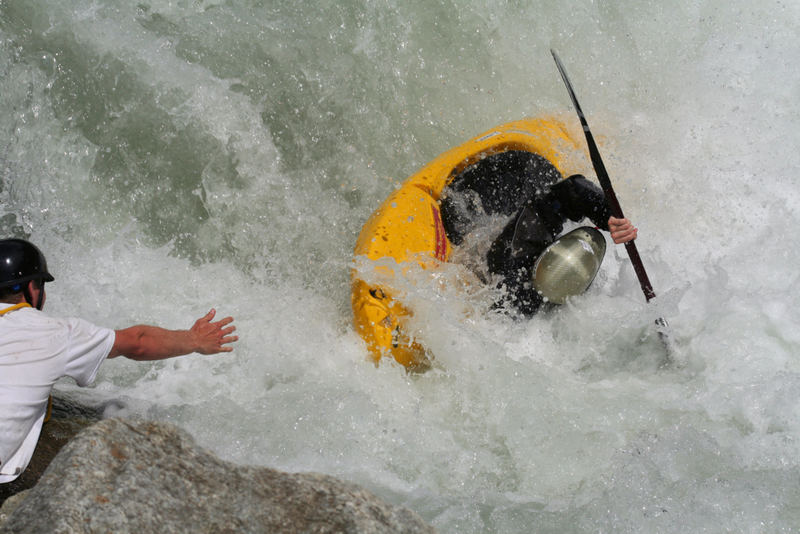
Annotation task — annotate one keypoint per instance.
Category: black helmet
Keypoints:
(568, 266)
(20, 262)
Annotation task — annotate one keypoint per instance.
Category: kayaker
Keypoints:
(528, 188)
(36, 350)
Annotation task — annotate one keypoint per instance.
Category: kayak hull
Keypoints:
(407, 227)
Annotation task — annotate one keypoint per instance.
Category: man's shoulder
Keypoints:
(43, 323)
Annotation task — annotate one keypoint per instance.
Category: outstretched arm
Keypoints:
(622, 230)
(144, 342)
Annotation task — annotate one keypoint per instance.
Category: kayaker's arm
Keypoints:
(579, 198)
(576, 197)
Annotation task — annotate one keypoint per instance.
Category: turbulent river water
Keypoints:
(173, 156)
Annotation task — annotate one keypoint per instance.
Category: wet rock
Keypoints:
(125, 476)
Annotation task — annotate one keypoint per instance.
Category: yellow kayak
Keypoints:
(408, 228)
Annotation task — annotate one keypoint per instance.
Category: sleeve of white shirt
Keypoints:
(88, 347)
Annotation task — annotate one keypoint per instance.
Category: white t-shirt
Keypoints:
(35, 351)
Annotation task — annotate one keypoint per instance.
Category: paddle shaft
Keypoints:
(605, 184)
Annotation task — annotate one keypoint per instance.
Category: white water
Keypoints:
(173, 156)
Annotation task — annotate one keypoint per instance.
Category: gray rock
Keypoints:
(124, 476)
(11, 504)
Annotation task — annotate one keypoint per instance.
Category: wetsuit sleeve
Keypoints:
(576, 198)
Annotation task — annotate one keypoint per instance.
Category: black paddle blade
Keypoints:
(605, 183)
(613, 203)
(564, 77)
(594, 152)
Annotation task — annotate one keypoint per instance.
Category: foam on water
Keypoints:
(173, 156)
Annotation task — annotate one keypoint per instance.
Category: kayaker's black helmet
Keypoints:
(21, 262)
(568, 266)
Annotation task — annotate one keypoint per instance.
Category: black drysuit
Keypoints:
(529, 187)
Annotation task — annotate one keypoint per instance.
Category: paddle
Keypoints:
(613, 203)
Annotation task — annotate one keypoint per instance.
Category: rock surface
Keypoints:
(125, 476)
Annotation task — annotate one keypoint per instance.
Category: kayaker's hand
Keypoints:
(621, 230)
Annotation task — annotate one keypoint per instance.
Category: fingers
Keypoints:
(214, 337)
(225, 342)
(615, 223)
(226, 338)
(223, 334)
(622, 230)
(225, 321)
(206, 319)
(624, 237)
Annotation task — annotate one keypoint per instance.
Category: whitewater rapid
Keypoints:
(170, 157)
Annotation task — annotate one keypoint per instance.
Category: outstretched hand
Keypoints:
(622, 230)
(213, 337)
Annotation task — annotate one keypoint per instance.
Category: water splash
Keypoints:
(172, 156)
